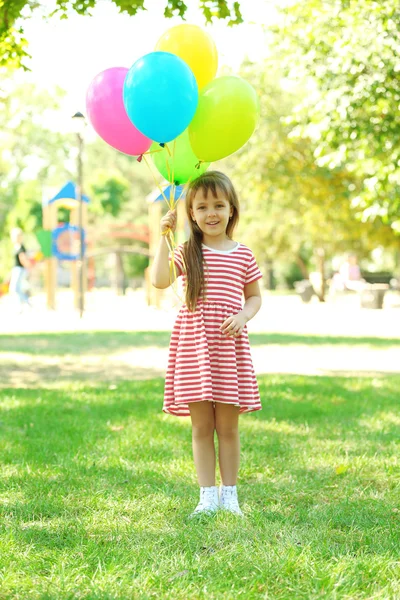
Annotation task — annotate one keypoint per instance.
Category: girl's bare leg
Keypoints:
(203, 426)
(227, 426)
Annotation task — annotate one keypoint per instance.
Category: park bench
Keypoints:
(371, 294)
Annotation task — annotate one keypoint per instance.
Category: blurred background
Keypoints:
(318, 181)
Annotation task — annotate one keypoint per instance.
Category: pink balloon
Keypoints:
(107, 114)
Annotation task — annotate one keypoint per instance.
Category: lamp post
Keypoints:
(79, 123)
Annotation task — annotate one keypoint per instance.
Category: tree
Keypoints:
(110, 192)
(34, 158)
(13, 45)
(347, 53)
(30, 150)
(292, 206)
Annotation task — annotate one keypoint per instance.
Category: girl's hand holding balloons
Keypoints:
(168, 222)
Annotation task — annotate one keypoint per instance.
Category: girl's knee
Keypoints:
(203, 430)
(227, 430)
(227, 420)
(203, 419)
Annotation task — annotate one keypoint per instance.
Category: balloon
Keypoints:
(107, 114)
(225, 119)
(195, 47)
(160, 95)
(179, 164)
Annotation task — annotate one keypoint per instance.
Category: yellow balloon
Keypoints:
(195, 47)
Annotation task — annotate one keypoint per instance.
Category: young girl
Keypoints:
(210, 374)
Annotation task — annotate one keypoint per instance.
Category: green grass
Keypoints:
(96, 485)
(102, 342)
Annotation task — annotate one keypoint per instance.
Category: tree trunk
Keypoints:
(269, 275)
(321, 271)
(397, 263)
(121, 282)
(302, 265)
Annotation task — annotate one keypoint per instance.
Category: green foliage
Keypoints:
(13, 46)
(347, 53)
(291, 273)
(135, 264)
(27, 211)
(290, 202)
(110, 192)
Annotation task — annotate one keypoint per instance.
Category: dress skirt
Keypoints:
(205, 365)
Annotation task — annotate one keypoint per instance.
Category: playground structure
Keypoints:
(62, 241)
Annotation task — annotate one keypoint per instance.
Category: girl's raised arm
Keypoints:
(160, 273)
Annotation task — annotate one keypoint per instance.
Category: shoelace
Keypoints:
(207, 498)
(228, 492)
(228, 495)
(207, 495)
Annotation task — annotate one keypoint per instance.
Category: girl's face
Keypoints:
(211, 214)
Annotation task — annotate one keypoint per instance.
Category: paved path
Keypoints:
(283, 314)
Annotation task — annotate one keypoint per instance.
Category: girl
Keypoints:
(210, 374)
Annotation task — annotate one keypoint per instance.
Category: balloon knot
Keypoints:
(198, 164)
(140, 158)
(162, 144)
(176, 182)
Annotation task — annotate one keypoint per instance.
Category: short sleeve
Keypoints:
(178, 259)
(253, 273)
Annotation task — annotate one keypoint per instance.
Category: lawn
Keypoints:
(97, 485)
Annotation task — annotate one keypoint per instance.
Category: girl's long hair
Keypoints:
(193, 254)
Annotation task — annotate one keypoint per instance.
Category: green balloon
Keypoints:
(226, 116)
(179, 164)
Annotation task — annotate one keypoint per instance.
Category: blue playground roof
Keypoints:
(67, 192)
(167, 193)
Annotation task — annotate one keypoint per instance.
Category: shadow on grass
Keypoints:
(78, 428)
(48, 425)
(103, 342)
(84, 468)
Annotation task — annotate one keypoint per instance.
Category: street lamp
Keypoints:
(79, 126)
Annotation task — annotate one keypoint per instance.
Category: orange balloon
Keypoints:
(193, 45)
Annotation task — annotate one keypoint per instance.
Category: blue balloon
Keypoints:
(160, 95)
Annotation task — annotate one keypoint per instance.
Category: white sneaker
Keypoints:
(229, 500)
(208, 501)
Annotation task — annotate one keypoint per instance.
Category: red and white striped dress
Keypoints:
(203, 363)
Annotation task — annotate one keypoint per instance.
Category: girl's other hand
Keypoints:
(234, 325)
(168, 222)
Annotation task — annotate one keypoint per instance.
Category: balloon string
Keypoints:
(168, 167)
(152, 151)
(156, 182)
(184, 188)
(173, 166)
(173, 276)
(168, 233)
